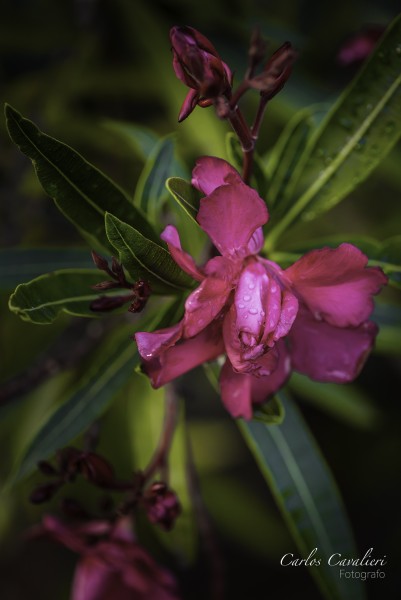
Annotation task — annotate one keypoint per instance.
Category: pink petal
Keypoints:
(328, 353)
(236, 392)
(264, 387)
(250, 303)
(94, 580)
(151, 345)
(336, 285)
(204, 304)
(184, 356)
(230, 215)
(256, 242)
(241, 391)
(183, 259)
(189, 104)
(288, 313)
(210, 173)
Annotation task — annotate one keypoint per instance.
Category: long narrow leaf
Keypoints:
(115, 362)
(81, 192)
(303, 487)
(144, 259)
(356, 135)
(44, 298)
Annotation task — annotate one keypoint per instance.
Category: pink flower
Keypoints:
(311, 317)
(197, 64)
(112, 564)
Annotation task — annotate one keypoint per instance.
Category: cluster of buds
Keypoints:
(198, 65)
(139, 291)
(157, 499)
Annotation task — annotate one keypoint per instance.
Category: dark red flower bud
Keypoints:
(68, 460)
(105, 285)
(197, 64)
(162, 505)
(257, 48)
(276, 72)
(96, 469)
(99, 261)
(45, 492)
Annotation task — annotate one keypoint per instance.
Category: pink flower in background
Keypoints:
(312, 317)
(112, 565)
(198, 65)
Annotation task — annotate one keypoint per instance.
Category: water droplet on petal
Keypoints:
(253, 311)
(246, 298)
(241, 305)
(251, 286)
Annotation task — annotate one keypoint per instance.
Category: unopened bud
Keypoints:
(106, 303)
(162, 505)
(45, 492)
(99, 261)
(96, 469)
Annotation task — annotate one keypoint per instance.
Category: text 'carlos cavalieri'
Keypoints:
(337, 560)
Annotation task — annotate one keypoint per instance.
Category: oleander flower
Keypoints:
(312, 317)
(112, 563)
(198, 65)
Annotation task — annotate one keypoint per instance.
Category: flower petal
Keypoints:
(250, 302)
(241, 391)
(236, 392)
(183, 259)
(184, 356)
(151, 345)
(210, 173)
(264, 387)
(94, 580)
(189, 104)
(336, 285)
(328, 353)
(230, 215)
(204, 304)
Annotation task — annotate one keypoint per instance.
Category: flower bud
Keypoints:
(162, 505)
(276, 72)
(45, 492)
(197, 64)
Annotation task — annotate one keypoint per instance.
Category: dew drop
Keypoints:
(201, 321)
(251, 286)
(253, 311)
(246, 298)
(241, 305)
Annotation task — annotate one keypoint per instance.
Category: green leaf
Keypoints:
(356, 135)
(85, 405)
(271, 412)
(19, 264)
(113, 365)
(307, 496)
(44, 298)
(345, 402)
(235, 155)
(151, 193)
(285, 156)
(144, 259)
(81, 192)
(185, 195)
(141, 139)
